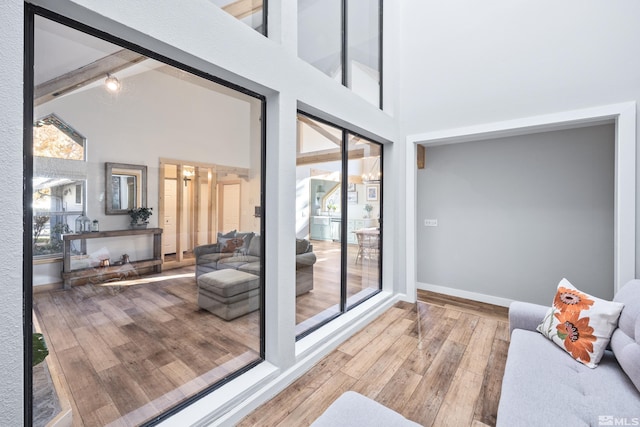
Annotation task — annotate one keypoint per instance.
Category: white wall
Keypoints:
(516, 215)
(466, 62)
(11, 304)
(201, 35)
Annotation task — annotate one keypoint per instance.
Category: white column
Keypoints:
(279, 214)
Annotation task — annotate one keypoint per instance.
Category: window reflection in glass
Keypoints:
(363, 52)
(329, 30)
(363, 220)
(318, 247)
(319, 35)
(127, 342)
(338, 233)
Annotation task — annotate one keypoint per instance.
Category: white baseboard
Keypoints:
(489, 299)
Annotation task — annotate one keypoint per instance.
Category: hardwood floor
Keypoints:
(362, 278)
(451, 377)
(129, 350)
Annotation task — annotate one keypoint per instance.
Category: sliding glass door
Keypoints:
(318, 228)
(338, 202)
(364, 202)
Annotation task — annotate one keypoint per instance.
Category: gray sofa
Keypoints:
(241, 251)
(545, 386)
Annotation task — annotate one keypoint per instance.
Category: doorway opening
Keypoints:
(196, 201)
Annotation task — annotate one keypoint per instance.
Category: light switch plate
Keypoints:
(430, 222)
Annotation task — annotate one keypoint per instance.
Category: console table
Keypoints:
(84, 275)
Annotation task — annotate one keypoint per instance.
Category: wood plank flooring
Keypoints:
(326, 273)
(130, 350)
(450, 377)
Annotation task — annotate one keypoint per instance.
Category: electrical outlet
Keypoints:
(430, 222)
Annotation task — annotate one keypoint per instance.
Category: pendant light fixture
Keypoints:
(112, 84)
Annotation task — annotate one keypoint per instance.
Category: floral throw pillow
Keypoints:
(580, 324)
(224, 239)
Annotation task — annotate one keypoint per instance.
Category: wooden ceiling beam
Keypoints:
(85, 75)
(322, 131)
(327, 156)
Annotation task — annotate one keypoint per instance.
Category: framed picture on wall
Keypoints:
(372, 192)
(351, 186)
(352, 197)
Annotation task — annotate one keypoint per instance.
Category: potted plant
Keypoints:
(39, 348)
(140, 217)
(368, 208)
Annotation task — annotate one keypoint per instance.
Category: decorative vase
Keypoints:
(138, 225)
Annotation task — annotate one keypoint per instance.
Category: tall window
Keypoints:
(338, 230)
(155, 307)
(343, 39)
(58, 183)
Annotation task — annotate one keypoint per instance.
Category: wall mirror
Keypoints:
(126, 187)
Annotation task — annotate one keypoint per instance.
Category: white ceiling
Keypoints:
(60, 49)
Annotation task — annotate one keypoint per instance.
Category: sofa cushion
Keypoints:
(254, 246)
(302, 246)
(236, 261)
(231, 233)
(541, 383)
(244, 240)
(625, 341)
(213, 258)
(580, 323)
(251, 267)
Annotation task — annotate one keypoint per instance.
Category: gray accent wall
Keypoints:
(515, 215)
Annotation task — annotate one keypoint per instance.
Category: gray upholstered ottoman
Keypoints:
(229, 293)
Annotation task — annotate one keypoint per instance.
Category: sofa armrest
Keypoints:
(206, 249)
(305, 259)
(524, 315)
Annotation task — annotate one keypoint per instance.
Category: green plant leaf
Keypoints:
(561, 335)
(40, 350)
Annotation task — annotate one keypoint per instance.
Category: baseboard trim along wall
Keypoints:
(489, 299)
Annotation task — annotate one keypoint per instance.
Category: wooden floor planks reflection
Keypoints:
(129, 351)
(454, 379)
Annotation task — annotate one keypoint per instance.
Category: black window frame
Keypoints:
(344, 150)
(344, 55)
(30, 12)
(345, 48)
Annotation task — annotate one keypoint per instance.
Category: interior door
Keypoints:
(170, 212)
(230, 207)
